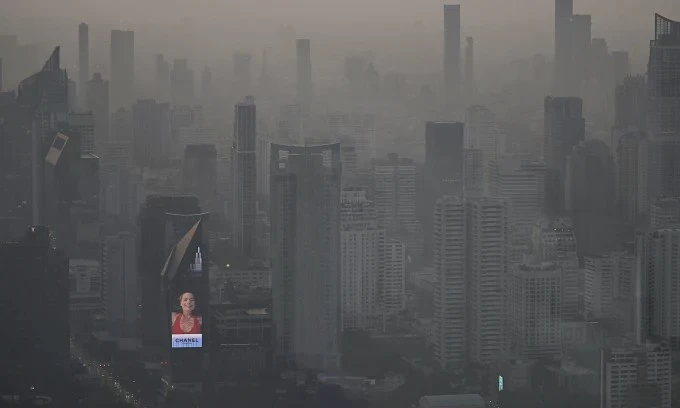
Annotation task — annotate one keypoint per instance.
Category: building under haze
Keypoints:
(305, 87)
(244, 172)
(452, 64)
(199, 175)
(83, 64)
(305, 254)
(97, 101)
(122, 69)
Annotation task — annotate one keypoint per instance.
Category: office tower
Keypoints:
(83, 64)
(181, 82)
(392, 280)
(394, 193)
(199, 174)
(245, 176)
(122, 69)
(581, 40)
(564, 9)
(664, 212)
(450, 293)
(71, 95)
(599, 67)
(608, 282)
(664, 105)
(243, 75)
(119, 268)
(632, 181)
(590, 191)
(481, 131)
(444, 162)
(487, 241)
(305, 254)
(162, 76)
(636, 376)
(87, 291)
(98, 103)
(451, 55)
(151, 131)
(656, 275)
(361, 257)
(157, 220)
(122, 126)
(564, 128)
(304, 73)
(554, 239)
(474, 173)
(522, 183)
(262, 155)
(36, 302)
(620, 66)
(469, 70)
(84, 124)
(630, 104)
(535, 309)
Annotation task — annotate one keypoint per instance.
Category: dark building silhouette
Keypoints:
(151, 131)
(452, 67)
(199, 174)
(631, 103)
(97, 101)
(564, 9)
(122, 65)
(83, 64)
(35, 282)
(245, 176)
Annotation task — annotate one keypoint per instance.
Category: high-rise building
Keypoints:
(444, 162)
(564, 9)
(580, 28)
(664, 212)
(361, 252)
(481, 131)
(98, 103)
(450, 292)
(535, 310)
(469, 70)
(452, 67)
(243, 75)
(655, 277)
(119, 268)
(663, 116)
(636, 376)
(199, 175)
(151, 129)
(487, 242)
(83, 64)
(620, 65)
(84, 124)
(181, 82)
(394, 193)
(305, 254)
(392, 280)
(564, 128)
(630, 105)
(608, 284)
(162, 72)
(632, 181)
(160, 220)
(590, 191)
(474, 173)
(305, 87)
(122, 69)
(36, 301)
(245, 176)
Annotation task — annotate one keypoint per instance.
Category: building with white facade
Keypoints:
(361, 249)
(87, 288)
(392, 280)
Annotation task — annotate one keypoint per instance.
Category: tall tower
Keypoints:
(564, 9)
(361, 258)
(305, 254)
(98, 102)
(469, 70)
(304, 73)
(451, 55)
(245, 176)
(450, 293)
(122, 65)
(83, 64)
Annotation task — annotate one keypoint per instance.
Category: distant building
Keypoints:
(304, 73)
(244, 173)
(182, 85)
(122, 65)
(97, 102)
(83, 64)
(452, 63)
(199, 174)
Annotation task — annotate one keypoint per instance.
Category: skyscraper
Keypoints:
(122, 67)
(151, 129)
(181, 83)
(83, 64)
(581, 40)
(564, 9)
(630, 103)
(450, 293)
(564, 128)
(469, 70)
(305, 253)
(361, 259)
(632, 182)
(98, 103)
(245, 176)
(481, 132)
(199, 174)
(304, 73)
(451, 55)
(162, 69)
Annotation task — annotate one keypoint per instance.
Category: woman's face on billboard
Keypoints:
(187, 302)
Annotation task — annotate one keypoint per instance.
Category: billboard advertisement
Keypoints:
(186, 319)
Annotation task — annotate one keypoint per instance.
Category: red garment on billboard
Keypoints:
(195, 328)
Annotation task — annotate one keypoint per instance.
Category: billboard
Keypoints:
(186, 318)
